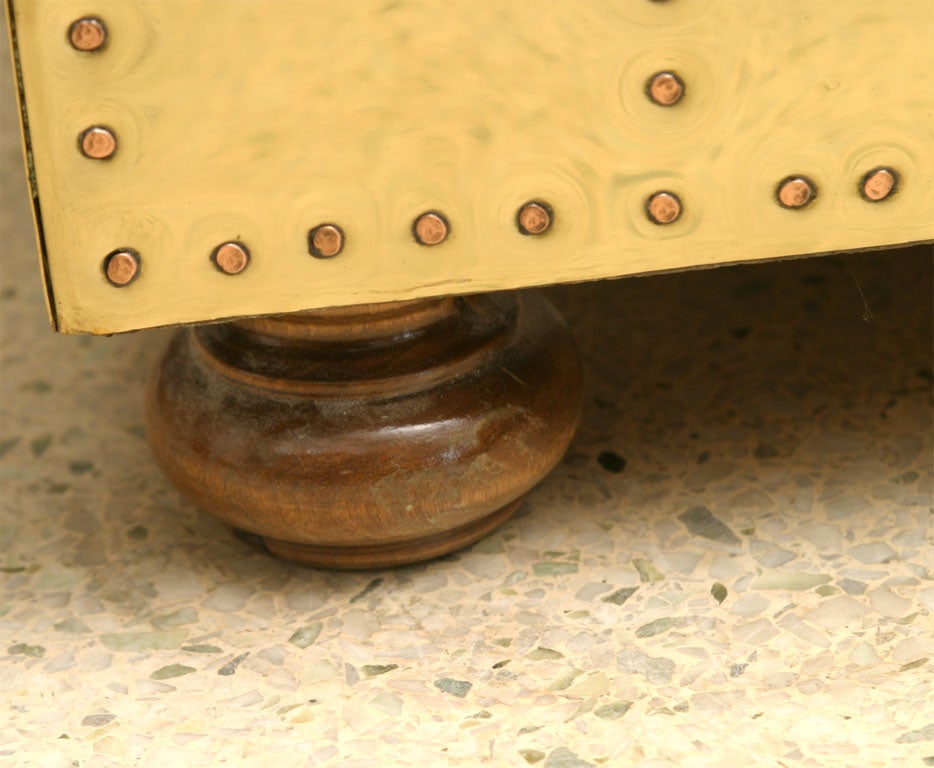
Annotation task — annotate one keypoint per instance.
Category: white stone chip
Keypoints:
(837, 612)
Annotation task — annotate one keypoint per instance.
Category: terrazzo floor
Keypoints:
(732, 566)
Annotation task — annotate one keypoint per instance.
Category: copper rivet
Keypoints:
(534, 218)
(98, 143)
(121, 267)
(878, 184)
(231, 258)
(796, 192)
(325, 241)
(88, 34)
(663, 207)
(431, 228)
(666, 89)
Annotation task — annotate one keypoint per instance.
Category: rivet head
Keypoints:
(431, 228)
(325, 241)
(665, 89)
(87, 34)
(796, 192)
(879, 184)
(231, 258)
(534, 218)
(98, 143)
(663, 207)
(121, 267)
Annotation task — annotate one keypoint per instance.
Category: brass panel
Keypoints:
(257, 120)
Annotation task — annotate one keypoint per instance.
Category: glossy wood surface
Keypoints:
(368, 436)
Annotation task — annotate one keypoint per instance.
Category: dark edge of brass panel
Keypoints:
(30, 164)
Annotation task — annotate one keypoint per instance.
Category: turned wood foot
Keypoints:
(368, 436)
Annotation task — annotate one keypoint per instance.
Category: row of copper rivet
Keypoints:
(534, 218)
(326, 241)
(665, 89)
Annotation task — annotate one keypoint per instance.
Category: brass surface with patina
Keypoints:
(244, 123)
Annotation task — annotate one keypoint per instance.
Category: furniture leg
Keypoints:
(368, 436)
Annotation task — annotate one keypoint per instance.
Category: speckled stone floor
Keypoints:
(731, 567)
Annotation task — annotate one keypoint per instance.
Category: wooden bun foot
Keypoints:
(368, 436)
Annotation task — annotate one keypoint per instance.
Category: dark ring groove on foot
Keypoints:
(383, 555)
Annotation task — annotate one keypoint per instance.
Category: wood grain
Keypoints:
(260, 124)
(368, 436)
